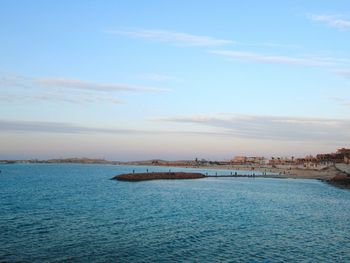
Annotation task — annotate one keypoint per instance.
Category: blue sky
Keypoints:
(130, 80)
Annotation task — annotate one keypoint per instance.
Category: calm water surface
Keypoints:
(74, 213)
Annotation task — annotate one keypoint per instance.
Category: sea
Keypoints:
(76, 213)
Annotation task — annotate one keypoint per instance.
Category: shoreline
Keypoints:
(331, 174)
(271, 172)
(340, 180)
(285, 172)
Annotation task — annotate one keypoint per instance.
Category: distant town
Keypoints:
(342, 155)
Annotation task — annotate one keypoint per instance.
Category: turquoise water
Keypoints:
(74, 213)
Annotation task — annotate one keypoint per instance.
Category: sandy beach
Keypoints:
(283, 172)
(335, 175)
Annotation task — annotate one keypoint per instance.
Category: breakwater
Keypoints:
(134, 177)
(157, 176)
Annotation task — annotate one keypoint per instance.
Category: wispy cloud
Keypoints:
(272, 127)
(279, 45)
(69, 128)
(156, 77)
(51, 89)
(343, 73)
(185, 39)
(86, 85)
(341, 101)
(332, 21)
(7, 81)
(56, 97)
(176, 38)
(57, 127)
(256, 57)
(271, 45)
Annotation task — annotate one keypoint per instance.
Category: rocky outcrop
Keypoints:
(342, 180)
(134, 177)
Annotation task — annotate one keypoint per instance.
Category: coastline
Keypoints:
(331, 174)
(292, 173)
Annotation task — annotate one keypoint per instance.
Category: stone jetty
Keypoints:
(134, 177)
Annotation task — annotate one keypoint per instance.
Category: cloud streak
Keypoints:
(61, 98)
(69, 128)
(176, 38)
(57, 127)
(343, 73)
(273, 128)
(184, 39)
(341, 101)
(255, 57)
(7, 81)
(287, 129)
(332, 21)
(50, 89)
(156, 77)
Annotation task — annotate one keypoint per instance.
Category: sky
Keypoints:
(136, 80)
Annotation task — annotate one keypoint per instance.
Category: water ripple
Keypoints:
(74, 213)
